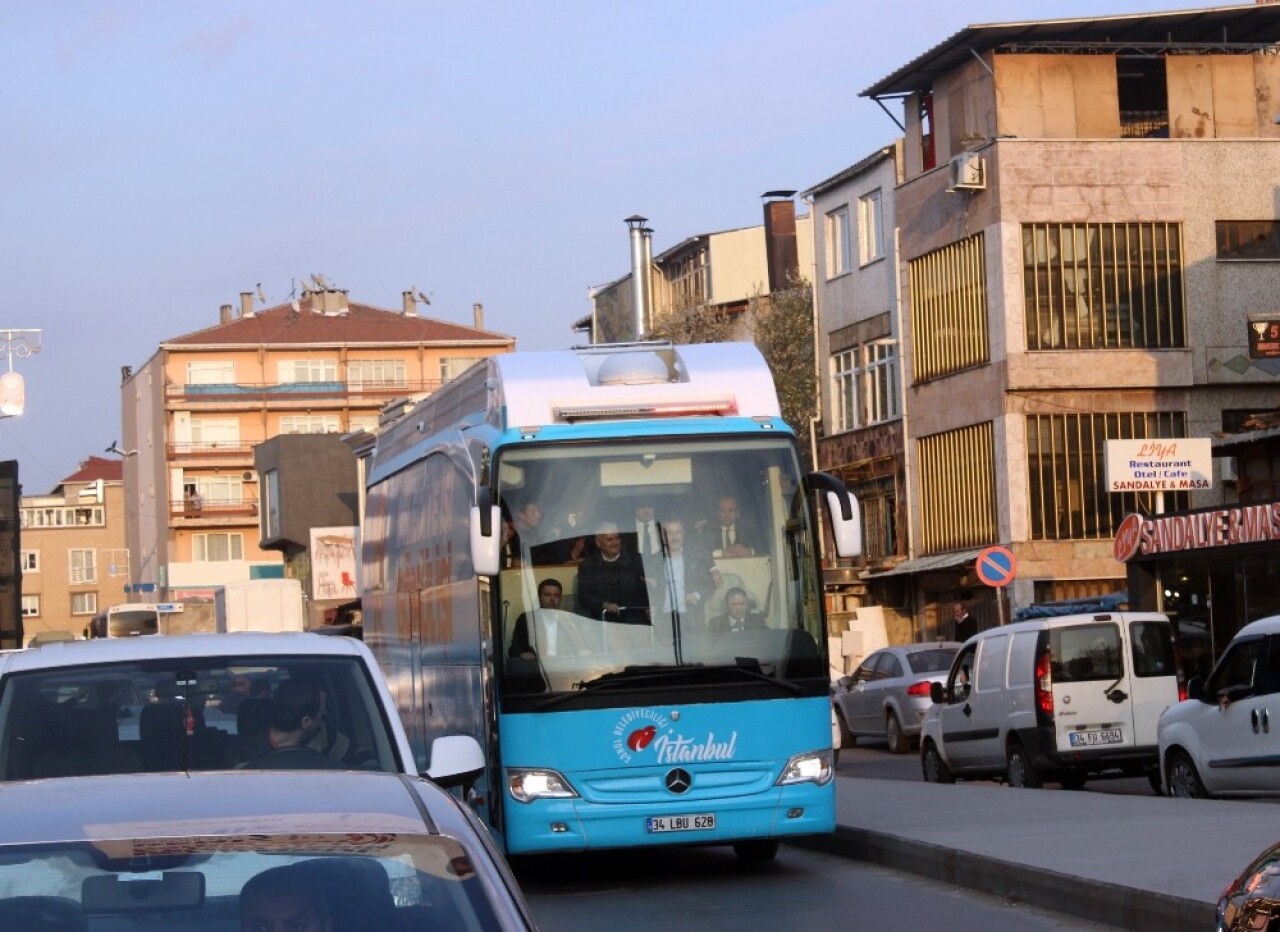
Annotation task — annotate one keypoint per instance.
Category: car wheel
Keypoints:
(759, 850)
(934, 767)
(1020, 772)
(1184, 780)
(847, 738)
(898, 742)
(1072, 781)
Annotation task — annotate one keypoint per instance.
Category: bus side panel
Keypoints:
(621, 763)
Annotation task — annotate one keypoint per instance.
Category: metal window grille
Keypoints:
(958, 489)
(949, 309)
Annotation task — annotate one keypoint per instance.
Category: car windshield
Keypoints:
(204, 713)
(934, 660)
(351, 881)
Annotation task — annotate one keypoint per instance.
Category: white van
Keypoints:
(1059, 699)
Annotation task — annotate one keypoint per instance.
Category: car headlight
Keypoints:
(812, 767)
(527, 785)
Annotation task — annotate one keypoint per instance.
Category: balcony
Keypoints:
(229, 453)
(293, 394)
(188, 514)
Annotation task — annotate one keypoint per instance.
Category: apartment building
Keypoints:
(1088, 225)
(719, 271)
(194, 412)
(72, 557)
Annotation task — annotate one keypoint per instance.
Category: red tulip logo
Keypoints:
(639, 739)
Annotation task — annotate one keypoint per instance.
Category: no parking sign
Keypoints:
(996, 566)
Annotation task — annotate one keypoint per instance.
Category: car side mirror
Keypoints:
(1195, 688)
(937, 692)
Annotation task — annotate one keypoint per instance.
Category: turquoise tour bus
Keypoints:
(603, 564)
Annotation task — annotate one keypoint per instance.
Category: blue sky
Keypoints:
(160, 158)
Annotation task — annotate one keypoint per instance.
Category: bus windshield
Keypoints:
(134, 621)
(657, 563)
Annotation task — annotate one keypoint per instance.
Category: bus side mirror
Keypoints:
(846, 517)
(486, 540)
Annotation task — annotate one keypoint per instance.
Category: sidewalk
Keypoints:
(1137, 862)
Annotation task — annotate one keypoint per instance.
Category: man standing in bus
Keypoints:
(611, 583)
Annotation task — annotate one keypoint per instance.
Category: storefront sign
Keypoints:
(1264, 337)
(1140, 536)
(1174, 465)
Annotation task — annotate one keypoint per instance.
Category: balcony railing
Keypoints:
(300, 391)
(237, 450)
(1144, 124)
(206, 509)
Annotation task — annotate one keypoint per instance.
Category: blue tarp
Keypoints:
(1116, 601)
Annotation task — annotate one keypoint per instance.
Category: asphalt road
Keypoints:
(710, 889)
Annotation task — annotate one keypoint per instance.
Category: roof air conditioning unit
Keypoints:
(250, 475)
(967, 172)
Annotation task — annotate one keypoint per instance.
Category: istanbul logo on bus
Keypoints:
(643, 731)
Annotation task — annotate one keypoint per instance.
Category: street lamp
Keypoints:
(13, 390)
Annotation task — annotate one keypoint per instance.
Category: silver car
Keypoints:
(887, 695)
(338, 850)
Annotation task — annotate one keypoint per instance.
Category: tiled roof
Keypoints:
(360, 324)
(95, 468)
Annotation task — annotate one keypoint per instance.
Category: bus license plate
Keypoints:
(1086, 739)
(703, 821)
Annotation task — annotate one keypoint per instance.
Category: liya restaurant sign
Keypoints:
(1151, 535)
(1172, 465)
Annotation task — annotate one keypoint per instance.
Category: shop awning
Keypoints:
(937, 561)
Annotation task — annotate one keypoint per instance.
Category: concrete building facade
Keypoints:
(195, 411)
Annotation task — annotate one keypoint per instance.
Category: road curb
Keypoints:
(1092, 900)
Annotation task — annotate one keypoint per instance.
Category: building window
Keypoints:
(30, 606)
(220, 490)
(309, 424)
(949, 309)
(870, 228)
(1143, 95)
(843, 392)
(1103, 286)
(686, 280)
(84, 565)
(958, 489)
(217, 548)
(839, 255)
(367, 422)
(211, 373)
(1248, 239)
(84, 603)
(1067, 475)
(295, 371)
(30, 561)
(453, 366)
(879, 502)
(86, 516)
(375, 373)
(864, 384)
(271, 507)
(209, 432)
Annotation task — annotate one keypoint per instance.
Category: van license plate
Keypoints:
(703, 821)
(1088, 739)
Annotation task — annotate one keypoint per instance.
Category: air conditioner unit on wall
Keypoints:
(967, 172)
(250, 475)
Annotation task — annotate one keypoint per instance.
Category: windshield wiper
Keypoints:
(699, 674)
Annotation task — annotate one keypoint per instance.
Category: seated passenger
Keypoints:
(284, 899)
(737, 615)
(611, 582)
(554, 631)
(297, 712)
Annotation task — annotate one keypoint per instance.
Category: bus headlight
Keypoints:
(813, 767)
(527, 785)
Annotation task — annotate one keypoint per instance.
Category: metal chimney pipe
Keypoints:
(647, 277)
(477, 313)
(636, 224)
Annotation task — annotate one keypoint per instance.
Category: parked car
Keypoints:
(225, 850)
(1062, 699)
(1221, 741)
(887, 695)
(191, 702)
(1252, 901)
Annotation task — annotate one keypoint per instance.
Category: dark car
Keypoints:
(1251, 903)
